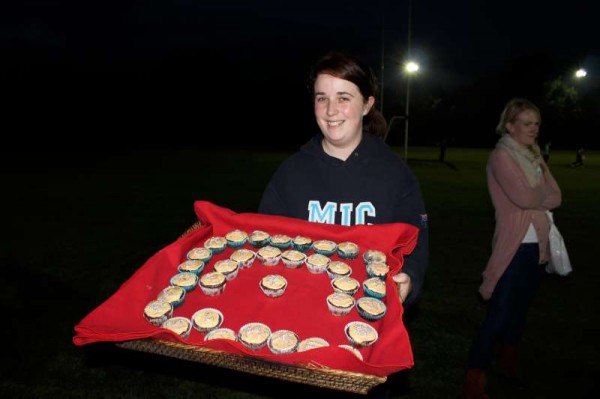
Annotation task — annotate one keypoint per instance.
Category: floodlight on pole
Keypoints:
(410, 68)
(580, 73)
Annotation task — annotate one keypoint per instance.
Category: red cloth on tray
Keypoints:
(302, 309)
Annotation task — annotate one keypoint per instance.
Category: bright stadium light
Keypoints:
(580, 73)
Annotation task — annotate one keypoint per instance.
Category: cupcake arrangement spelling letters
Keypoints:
(270, 250)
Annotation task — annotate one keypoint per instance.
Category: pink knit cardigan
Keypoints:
(517, 204)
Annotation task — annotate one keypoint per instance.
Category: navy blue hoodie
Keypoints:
(372, 186)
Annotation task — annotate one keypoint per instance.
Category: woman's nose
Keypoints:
(332, 108)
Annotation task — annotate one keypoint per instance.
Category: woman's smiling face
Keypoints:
(339, 109)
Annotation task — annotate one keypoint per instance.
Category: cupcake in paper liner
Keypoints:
(207, 319)
(244, 257)
(312, 343)
(191, 266)
(273, 285)
(254, 335)
(337, 268)
(345, 285)
(202, 254)
(302, 243)
(374, 287)
(229, 268)
(216, 244)
(324, 247)
(179, 325)
(212, 283)
(293, 258)
(347, 250)
(360, 334)
(374, 255)
(172, 294)
(269, 255)
(283, 341)
(378, 269)
(259, 238)
(157, 312)
(236, 238)
(370, 308)
(317, 263)
(340, 304)
(185, 280)
(221, 333)
(352, 349)
(281, 241)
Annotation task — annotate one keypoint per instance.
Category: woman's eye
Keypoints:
(320, 99)
(344, 99)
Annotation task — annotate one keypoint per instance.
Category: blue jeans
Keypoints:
(508, 306)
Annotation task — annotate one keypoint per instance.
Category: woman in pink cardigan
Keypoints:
(522, 189)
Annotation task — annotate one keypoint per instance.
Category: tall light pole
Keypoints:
(408, 72)
(409, 69)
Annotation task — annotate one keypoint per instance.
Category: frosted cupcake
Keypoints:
(259, 238)
(273, 285)
(325, 247)
(337, 269)
(229, 268)
(347, 250)
(202, 254)
(312, 343)
(282, 342)
(207, 319)
(236, 238)
(186, 280)
(345, 285)
(302, 243)
(340, 304)
(157, 312)
(269, 255)
(360, 334)
(293, 258)
(370, 309)
(179, 325)
(352, 349)
(377, 269)
(373, 255)
(374, 287)
(212, 283)
(243, 257)
(216, 244)
(254, 335)
(221, 333)
(281, 241)
(191, 266)
(173, 295)
(317, 263)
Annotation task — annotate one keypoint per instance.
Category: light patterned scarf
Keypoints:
(529, 158)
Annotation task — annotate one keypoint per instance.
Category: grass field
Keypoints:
(81, 225)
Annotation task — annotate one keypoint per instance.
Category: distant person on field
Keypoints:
(347, 164)
(521, 188)
(546, 151)
(443, 147)
(579, 158)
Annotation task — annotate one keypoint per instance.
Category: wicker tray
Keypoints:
(311, 375)
(320, 376)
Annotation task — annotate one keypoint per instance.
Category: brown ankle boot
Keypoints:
(475, 384)
(508, 366)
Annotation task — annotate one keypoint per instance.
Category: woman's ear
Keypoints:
(368, 105)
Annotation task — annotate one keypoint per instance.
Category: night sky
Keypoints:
(197, 71)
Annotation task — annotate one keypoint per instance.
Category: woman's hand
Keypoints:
(404, 284)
